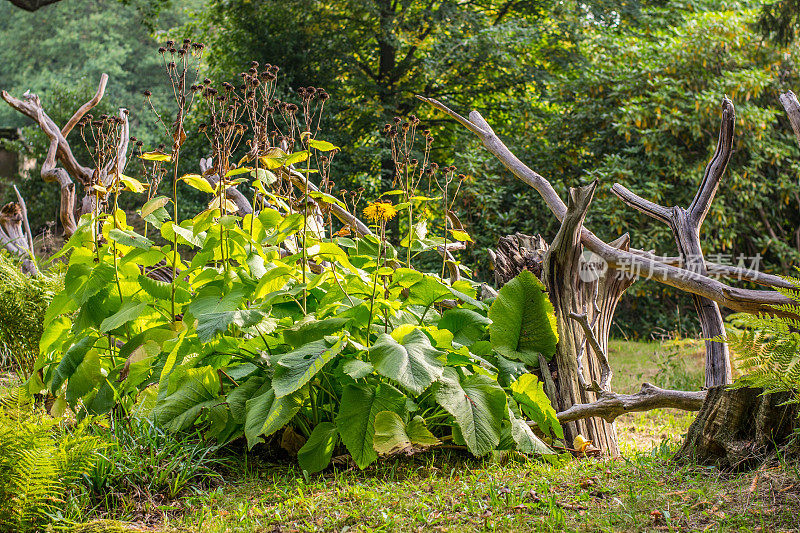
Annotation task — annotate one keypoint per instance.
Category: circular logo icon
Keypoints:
(591, 266)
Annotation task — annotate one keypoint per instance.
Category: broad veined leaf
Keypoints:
(466, 325)
(523, 321)
(316, 453)
(237, 398)
(414, 363)
(264, 175)
(83, 281)
(356, 418)
(86, 377)
(162, 290)
(128, 311)
(478, 405)
(130, 238)
(179, 410)
(156, 155)
(296, 368)
(70, 362)
(529, 392)
(393, 436)
(198, 182)
(525, 439)
(357, 369)
(322, 146)
(313, 330)
(151, 206)
(266, 414)
(132, 184)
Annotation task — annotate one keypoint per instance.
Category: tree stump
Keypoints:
(738, 429)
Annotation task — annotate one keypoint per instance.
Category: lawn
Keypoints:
(449, 491)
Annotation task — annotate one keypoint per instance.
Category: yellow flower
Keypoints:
(380, 212)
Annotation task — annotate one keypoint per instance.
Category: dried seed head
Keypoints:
(147, 94)
(162, 50)
(170, 43)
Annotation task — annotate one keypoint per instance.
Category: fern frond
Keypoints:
(768, 347)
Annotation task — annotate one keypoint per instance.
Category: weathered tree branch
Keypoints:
(611, 405)
(25, 224)
(13, 239)
(85, 108)
(743, 300)
(685, 225)
(591, 338)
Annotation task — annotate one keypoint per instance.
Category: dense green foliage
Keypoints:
(23, 302)
(276, 321)
(41, 464)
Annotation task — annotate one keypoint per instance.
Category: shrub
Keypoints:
(23, 302)
(286, 320)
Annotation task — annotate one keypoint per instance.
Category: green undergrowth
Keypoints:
(450, 492)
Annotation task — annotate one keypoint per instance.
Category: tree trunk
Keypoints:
(577, 286)
(739, 428)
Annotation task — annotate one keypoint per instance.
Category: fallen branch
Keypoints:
(611, 405)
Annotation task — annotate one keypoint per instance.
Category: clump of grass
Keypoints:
(145, 469)
(23, 303)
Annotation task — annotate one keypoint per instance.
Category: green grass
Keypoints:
(449, 491)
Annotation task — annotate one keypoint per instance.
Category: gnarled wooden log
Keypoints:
(739, 428)
(14, 239)
(610, 405)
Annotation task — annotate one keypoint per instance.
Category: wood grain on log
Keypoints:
(738, 428)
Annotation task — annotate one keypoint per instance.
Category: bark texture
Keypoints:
(739, 428)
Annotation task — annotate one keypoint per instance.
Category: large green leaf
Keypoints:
(128, 311)
(179, 410)
(415, 363)
(70, 362)
(529, 392)
(313, 330)
(478, 405)
(266, 414)
(466, 325)
(237, 398)
(356, 418)
(523, 320)
(296, 368)
(130, 238)
(316, 453)
(524, 437)
(392, 435)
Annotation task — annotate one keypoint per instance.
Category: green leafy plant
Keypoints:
(276, 324)
(768, 347)
(41, 464)
(23, 302)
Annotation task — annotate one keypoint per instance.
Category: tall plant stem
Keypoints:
(375, 280)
